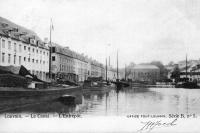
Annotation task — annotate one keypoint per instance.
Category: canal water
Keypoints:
(125, 102)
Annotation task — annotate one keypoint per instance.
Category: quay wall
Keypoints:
(13, 99)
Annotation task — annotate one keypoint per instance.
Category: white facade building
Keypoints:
(20, 46)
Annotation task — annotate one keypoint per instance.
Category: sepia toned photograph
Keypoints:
(102, 66)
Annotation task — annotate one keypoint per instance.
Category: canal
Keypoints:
(127, 101)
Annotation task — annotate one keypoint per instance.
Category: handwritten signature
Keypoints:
(150, 125)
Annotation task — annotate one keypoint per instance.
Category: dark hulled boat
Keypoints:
(16, 89)
(119, 84)
(96, 84)
(187, 83)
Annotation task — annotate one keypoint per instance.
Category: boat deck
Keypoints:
(27, 89)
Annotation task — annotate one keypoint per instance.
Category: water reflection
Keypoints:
(126, 101)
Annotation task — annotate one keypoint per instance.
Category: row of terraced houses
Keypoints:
(21, 46)
(70, 65)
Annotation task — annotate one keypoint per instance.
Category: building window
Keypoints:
(20, 48)
(3, 43)
(15, 47)
(53, 49)
(33, 60)
(24, 48)
(40, 61)
(29, 59)
(24, 59)
(9, 56)
(3, 57)
(36, 61)
(29, 49)
(53, 58)
(33, 50)
(19, 60)
(43, 62)
(14, 59)
(9, 44)
(40, 51)
(37, 51)
(43, 53)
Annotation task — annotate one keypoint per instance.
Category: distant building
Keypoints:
(72, 66)
(20, 46)
(193, 72)
(97, 69)
(62, 63)
(80, 65)
(149, 73)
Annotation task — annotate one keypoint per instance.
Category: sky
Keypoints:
(141, 30)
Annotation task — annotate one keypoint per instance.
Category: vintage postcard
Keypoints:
(84, 66)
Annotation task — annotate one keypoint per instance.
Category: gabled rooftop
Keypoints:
(145, 67)
(20, 33)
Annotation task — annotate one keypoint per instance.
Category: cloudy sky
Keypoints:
(142, 30)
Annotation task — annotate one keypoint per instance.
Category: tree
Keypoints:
(176, 74)
(171, 63)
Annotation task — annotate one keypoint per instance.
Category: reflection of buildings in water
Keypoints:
(87, 102)
(47, 107)
(169, 100)
(159, 101)
(51, 106)
(94, 95)
(90, 100)
(138, 90)
(152, 95)
(176, 99)
(153, 101)
(78, 99)
(100, 96)
(145, 101)
(183, 104)
(107, 94)
(117, 102)
(69, 108)
(86, 96)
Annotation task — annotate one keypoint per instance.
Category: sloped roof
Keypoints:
(145, 67)
(68, 52)
(6, 25)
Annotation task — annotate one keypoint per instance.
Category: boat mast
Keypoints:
(109, 61)
(125, 72)
(117, 66)
(186, 66)
(106, 70)
(50, 47)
